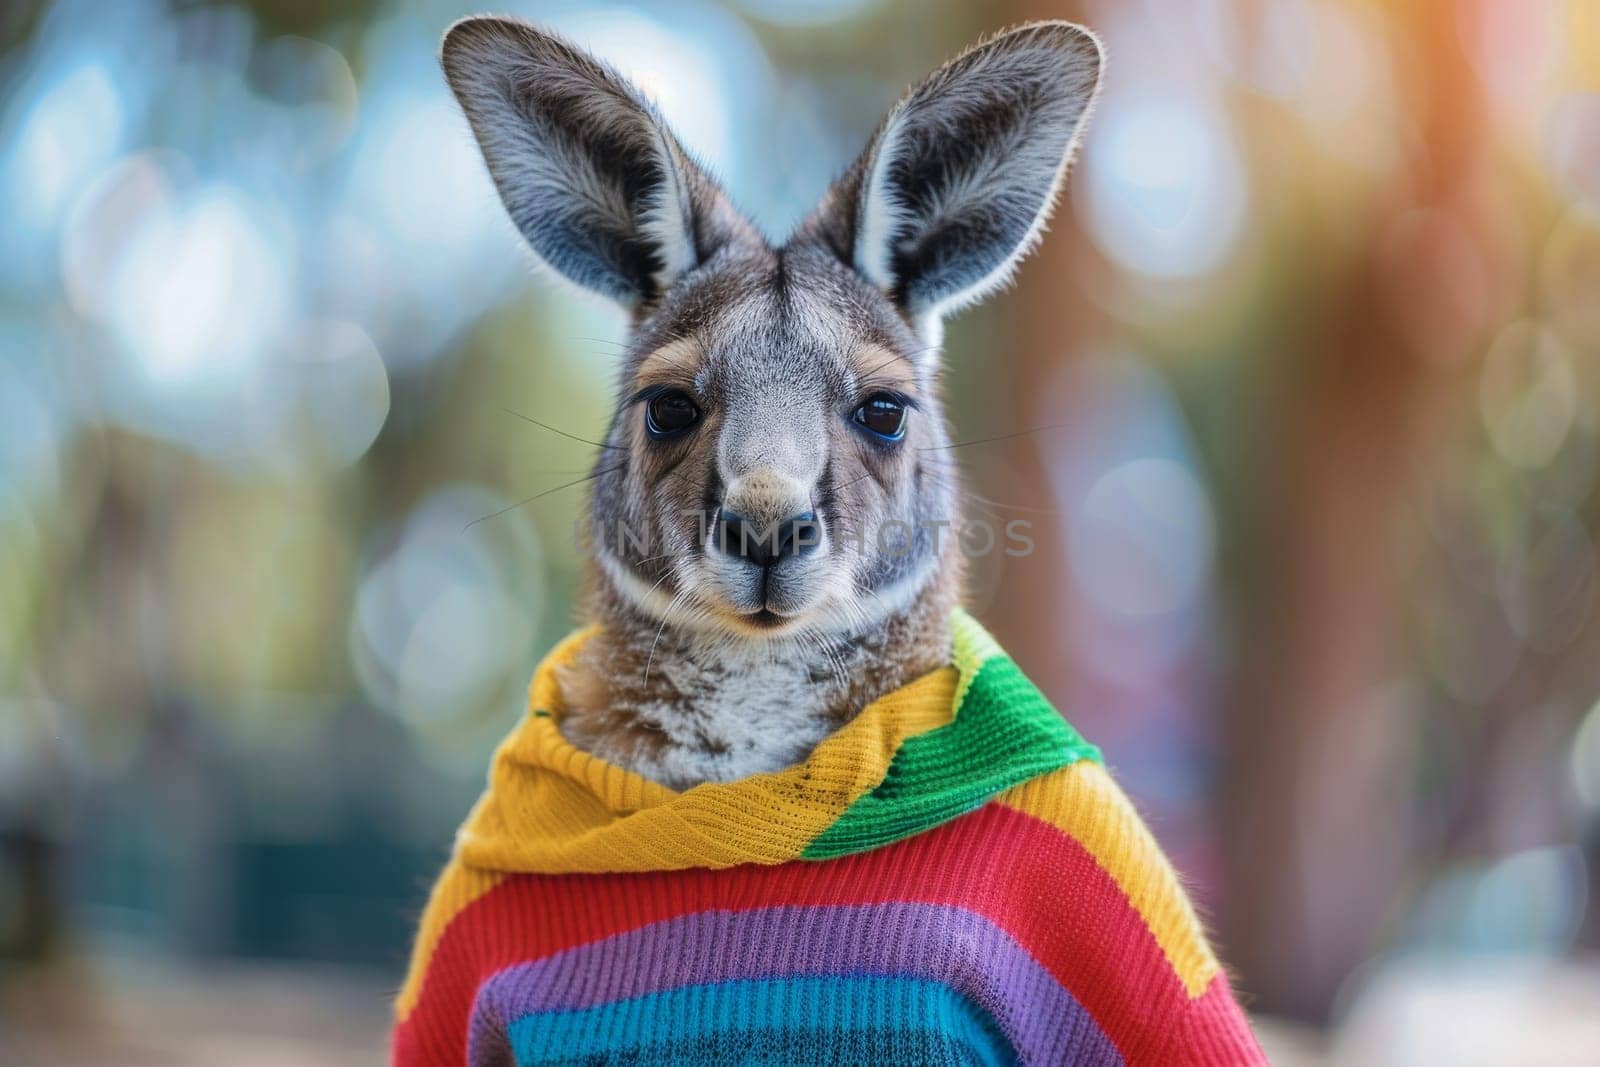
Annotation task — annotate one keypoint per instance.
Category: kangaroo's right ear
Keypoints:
(958, 182)
(587, 169)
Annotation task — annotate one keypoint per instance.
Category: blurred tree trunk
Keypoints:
(1315, 791)
(1052, 320)
(1313, 813)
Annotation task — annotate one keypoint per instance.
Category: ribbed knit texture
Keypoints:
(952, 878)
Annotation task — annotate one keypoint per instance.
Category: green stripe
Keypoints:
(1004, 733)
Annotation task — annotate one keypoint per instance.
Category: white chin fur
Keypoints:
(840, 611)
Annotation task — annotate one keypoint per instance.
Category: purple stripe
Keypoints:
(956, 947)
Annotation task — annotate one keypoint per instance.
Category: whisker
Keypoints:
(683, 364)
(868, 376)
(563, 433)
(991, 440)
(542, 495)
(946, 479)
(665, 615)
(873, 593)
(970, 495)
(835, 665)
(602, 341)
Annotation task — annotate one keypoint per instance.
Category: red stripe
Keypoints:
(1213, 1032)
(1039, 885)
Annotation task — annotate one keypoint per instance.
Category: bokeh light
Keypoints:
(444, 620)
(1165, 189)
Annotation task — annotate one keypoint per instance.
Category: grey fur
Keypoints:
(777, 346)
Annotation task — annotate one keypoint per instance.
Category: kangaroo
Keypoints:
(771, 509)
(784, 802)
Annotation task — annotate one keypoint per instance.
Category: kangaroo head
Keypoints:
(777, 460)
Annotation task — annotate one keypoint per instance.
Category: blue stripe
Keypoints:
(771, 1020)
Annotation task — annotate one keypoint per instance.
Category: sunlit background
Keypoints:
(1312, 354)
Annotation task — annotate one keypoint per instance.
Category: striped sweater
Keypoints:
(951, 878)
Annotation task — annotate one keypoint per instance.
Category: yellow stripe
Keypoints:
(1085, 803)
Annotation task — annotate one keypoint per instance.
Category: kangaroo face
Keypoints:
(781, 450)
(778, 459)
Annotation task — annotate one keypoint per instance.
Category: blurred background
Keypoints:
(1315, 354)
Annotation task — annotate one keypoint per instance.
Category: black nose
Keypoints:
(794, 536)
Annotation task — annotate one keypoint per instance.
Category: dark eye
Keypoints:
(670, 412)
(884, 415)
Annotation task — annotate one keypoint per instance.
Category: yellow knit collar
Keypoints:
(552, 808)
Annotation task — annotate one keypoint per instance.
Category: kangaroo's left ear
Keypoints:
(587, 169)
(958, 182)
